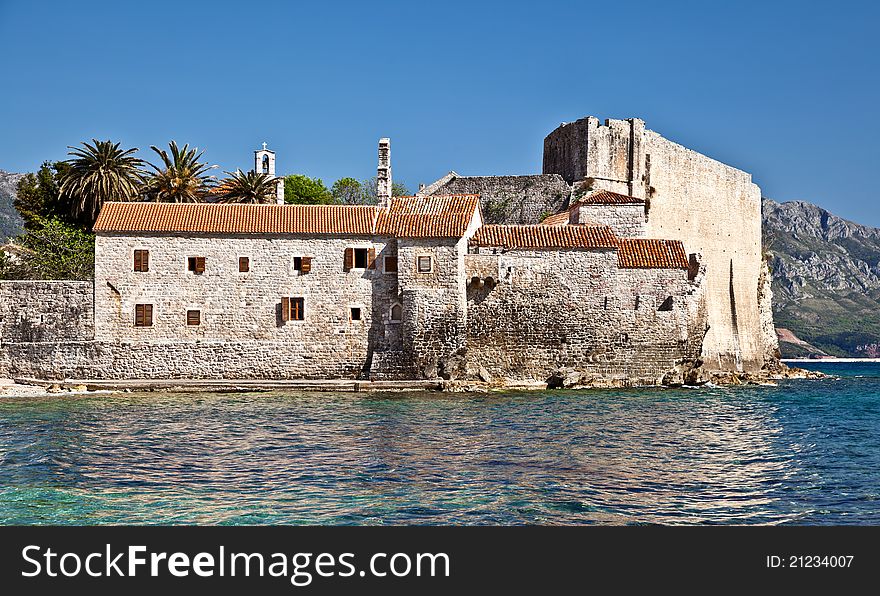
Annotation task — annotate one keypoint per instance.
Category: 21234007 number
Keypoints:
(810, 561)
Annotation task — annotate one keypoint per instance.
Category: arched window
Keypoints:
(265, 164)
(396, 313)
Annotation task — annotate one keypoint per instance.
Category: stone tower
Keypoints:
(712, 208)
(264, 163)
(383, 173)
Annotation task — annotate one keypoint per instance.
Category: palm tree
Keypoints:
(247, 187)
(182, 177)
(99, 172)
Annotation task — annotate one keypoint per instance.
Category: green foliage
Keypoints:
(301, 189)
(247, 187)
(97, 173)
(38, 197)
(181, 178)
(544, 215)
(370, 191)
(348, 191)
(497, 209)
(50, 249)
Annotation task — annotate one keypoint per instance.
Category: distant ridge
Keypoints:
(826, 280)
(10, 221)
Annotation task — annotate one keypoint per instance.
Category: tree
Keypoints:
(247, 187)
(182, 178)
(51, 250)
(302, 189)
(97, 173)
(348, 191)
(37, 197)
(371, 197)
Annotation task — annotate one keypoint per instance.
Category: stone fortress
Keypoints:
(629, 258)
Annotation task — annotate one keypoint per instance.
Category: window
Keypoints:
(390, 264)
(244, 264)
(425, 264)
(297, 263)
(193, 317)
(355, 313)
(302, 264)
(142, 260)
(143, 315)
(396, 313)
(359, 258)
(196, 264)
(293, 309)
(666, 305)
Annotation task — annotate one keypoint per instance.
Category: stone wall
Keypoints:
(574, 308)
(627, 221)
(46, 311)
(511, 199)
(712, 208)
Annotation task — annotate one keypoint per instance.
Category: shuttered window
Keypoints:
(142, 260)
(390, 264)
(193, 317)
(143, 315)
(244, 264)
(306, 265)
(196, 264)
(425, 264)
(348, 259)
(293, 309)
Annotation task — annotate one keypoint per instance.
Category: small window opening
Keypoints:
(297, 263)
(355, 314)
(396, 313)
(193, 317)
(196, 264)
(667, 304)
(360, 258)
(425, 264)
(390, 264)
(244, 264)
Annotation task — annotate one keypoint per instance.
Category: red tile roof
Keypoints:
(648, 253)
(236, 218)
(558, 219)
(440, 216)
(430, 216)
(606, 197)
(545, 237)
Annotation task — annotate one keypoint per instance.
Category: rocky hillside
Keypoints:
(10, 222)
(826, 280)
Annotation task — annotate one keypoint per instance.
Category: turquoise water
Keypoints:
(806, 452)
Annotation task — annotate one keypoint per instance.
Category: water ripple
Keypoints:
(805, 452)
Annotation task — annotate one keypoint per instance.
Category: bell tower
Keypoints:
(264, 163)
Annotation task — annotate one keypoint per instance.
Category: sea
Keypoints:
(803, 452)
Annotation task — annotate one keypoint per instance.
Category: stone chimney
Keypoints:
(264, 163)
(383, 173)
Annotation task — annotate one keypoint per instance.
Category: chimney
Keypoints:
(383, 173)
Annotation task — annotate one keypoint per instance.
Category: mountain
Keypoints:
(10, 221)
(826, 280)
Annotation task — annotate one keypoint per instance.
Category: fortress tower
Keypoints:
(712, 208)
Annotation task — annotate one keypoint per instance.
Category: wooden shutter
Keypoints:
(138, 315)
(148, 315)
(348, 260)
(244, 264)
(145, 260)
(285, 309)
(137, 260)
(200, 264)
(306, 265)
(371, 258)
(390, 264)
(193, 317)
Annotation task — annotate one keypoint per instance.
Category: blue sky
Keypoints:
(785, 90)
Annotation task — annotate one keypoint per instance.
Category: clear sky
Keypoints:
(788, 91)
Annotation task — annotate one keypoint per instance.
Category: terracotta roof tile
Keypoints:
(648, 253)
(428, 216)
(557, 219)
(236, 218)
(545, 237)
(606, 197)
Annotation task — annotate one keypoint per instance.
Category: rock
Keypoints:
(484, 375)
(54, 388)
